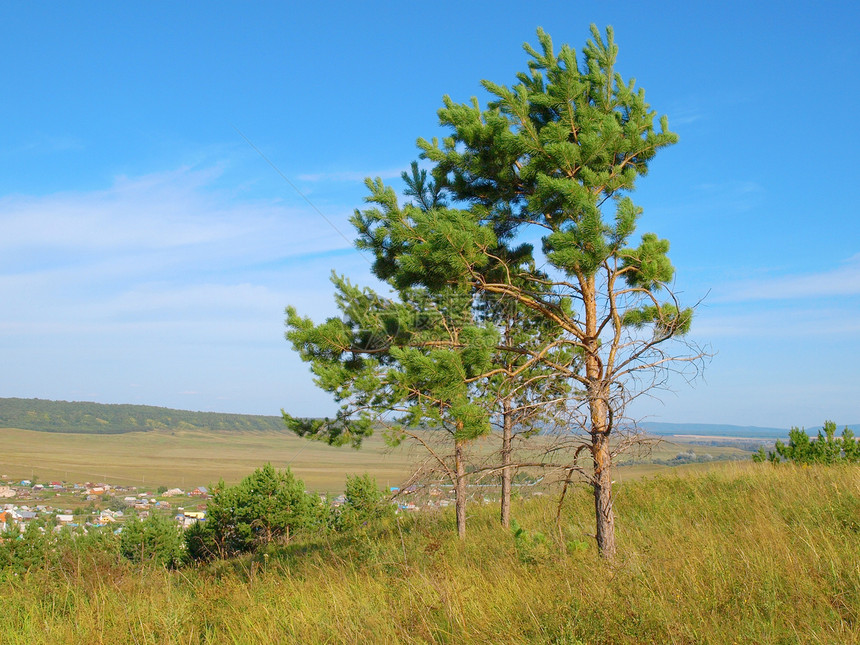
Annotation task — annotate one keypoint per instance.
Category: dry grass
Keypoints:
(193, 458)
(742, 554)
(196, 458)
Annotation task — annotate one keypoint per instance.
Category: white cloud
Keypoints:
(159, 252)
(841, 281)
(158, 211)
(748, 321)
(352, 175)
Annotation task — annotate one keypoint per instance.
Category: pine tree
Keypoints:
(825, 448)
(554, 157)
(438, 355)
(410, 363)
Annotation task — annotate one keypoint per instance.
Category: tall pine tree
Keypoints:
(553, 157)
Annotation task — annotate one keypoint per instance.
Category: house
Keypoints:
(62, 518)
(173, 492)
(200, 491)
(188, 518)
(6, 492)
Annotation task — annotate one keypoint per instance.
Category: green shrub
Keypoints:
(156, 539)
(364, 502)
(826, 448)
(531, 547)
(265, 507)
(23, 551)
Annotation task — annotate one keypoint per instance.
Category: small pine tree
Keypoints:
(825, 448)
(364, 502)
(266, 506)
(156, 539)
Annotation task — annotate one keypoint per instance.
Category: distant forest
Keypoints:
(100, 418)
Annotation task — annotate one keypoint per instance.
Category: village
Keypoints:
(81, 506)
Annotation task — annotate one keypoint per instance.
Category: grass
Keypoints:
(189, 458)
(193, 458)
(742, 553)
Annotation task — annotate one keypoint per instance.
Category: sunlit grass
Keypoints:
(743, 553)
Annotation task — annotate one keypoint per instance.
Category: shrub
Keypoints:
(23, 551)
(364, 502)
(826, 448)
(531, 547)
(156, 539)
(266, 506)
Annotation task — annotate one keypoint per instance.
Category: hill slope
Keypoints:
(101, 418)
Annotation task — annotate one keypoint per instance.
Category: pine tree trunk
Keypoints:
(507, 472)
(460, 488)
(598, 407)
(603, 512)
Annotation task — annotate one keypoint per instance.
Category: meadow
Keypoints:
(743, 553)
(189, 458)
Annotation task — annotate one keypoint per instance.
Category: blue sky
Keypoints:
(147, 251)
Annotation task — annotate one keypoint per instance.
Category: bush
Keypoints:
(23, 551)
(266, 506)
(826, 448)
(364, 502)
(201, 542)
(531, 547)
(156, 539)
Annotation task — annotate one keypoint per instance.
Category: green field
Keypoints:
(188, 458)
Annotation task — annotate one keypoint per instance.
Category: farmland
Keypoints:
(187, 458)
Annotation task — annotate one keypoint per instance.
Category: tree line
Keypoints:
(824, 448)
(99, 418)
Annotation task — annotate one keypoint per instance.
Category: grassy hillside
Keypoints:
(100, 418)
(743, 554)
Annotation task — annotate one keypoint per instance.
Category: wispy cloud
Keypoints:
(351, 175)
(159, 212)
(777, 323)
(731, 195)
(840, 281)
(46, 143)
(685, 117)
(162, 248)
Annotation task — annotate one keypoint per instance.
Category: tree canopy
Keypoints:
(550, 159)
